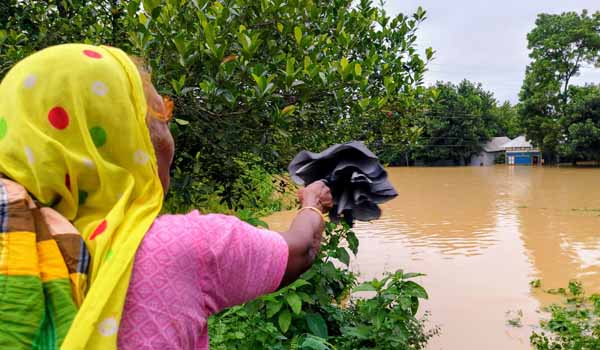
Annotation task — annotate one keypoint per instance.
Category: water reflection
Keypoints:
(560, 226)
(455, 222)
(480, 235)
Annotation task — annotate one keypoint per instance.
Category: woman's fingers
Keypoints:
(317, 194)
(326, 199)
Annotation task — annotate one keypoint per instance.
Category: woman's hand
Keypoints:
(316, 195)
(305, 233)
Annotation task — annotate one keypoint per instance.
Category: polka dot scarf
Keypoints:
(73, 133)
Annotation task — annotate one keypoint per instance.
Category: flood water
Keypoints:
(481, 234)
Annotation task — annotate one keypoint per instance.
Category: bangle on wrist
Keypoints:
(316, 210)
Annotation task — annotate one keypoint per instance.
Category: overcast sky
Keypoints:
(485, 41)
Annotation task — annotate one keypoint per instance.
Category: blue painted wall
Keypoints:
(524, 158)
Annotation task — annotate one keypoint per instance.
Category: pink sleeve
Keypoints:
(239, 261)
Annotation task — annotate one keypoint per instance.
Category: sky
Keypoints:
(485, 41)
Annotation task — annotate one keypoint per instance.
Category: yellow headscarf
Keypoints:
(73, 133)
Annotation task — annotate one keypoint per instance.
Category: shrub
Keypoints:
(574, 325)
(318, 312)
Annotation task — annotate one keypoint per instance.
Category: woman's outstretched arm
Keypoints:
(304, 235)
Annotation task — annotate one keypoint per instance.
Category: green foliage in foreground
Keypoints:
(319, 311)
(574, 325)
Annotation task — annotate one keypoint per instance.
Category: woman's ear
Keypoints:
(164, 149)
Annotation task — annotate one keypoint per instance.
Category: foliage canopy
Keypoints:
(561, 45)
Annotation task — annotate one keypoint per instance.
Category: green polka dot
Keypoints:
(108, 255)
(98, 136)
(3, 128)
(82, 197)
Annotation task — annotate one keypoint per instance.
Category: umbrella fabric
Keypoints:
(357, 179)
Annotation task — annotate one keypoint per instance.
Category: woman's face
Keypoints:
(164, 145)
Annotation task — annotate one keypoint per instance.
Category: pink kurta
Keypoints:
(191, 266)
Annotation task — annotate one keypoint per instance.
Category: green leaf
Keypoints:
(305, 297)
(280, 27)
(142, 18)
(289, 67)
(299, 283)
(352, 242)
(360, 332)
(344, 64)
(429, 53)
(150, 5)
(261, 82)
(323, 77)
(294, 302)
(364, 103)
(412, 275)
(314, 344)
(420, 14)
(273, 308)
(297, 83)
(181, 121)
(317, 325)
(179, 42)
(413, 289)
(364, 287)
(298, 34)
(307, 62)
(343, 256)
(245, 41)
(358, 69)
(285, 319)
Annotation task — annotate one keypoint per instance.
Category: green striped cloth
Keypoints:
(43, 271)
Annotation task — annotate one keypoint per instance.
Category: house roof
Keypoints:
(519, 142)
(495, 144)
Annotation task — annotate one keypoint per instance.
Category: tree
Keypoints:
(254, 81)
(508, 121)
(560, 46)
(457, 121)
(582, 124)
(272, 77)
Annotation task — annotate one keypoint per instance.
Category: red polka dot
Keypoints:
(92, 54)
(68, 181)
(58, 117)
(99, 230)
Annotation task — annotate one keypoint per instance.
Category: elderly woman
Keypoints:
(85, 149)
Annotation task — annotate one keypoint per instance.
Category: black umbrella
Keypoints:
(357, 180)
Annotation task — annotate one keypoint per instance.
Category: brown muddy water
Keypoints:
(481, 234)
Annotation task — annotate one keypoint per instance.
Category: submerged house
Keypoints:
(491, 150)
(521, 152)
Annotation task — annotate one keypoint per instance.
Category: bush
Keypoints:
(318, 312)
(574, 325)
